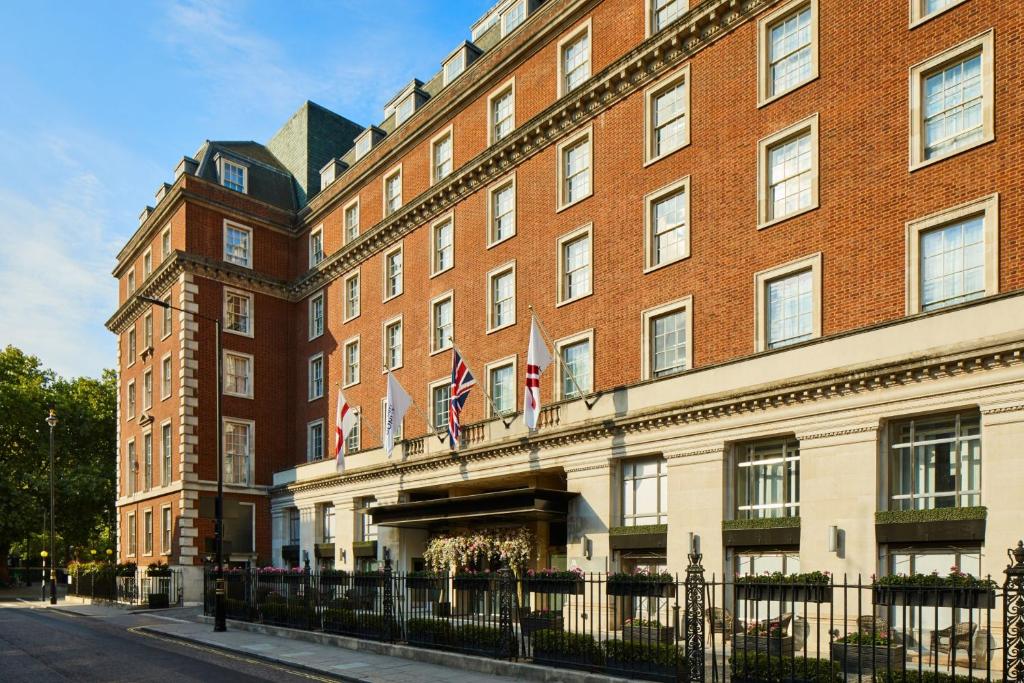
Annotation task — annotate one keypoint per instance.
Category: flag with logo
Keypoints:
(344, 423)
(395, 407)
(538, 358)
(462, 382)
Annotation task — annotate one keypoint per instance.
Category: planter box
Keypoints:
(159, 601)
(781, 536)
(961, 598)
(482, 584)
(773, 646)
(554, 586)
(783, 593)
(422, 583)
(648, 634)
(368, 581)
(553, 622)
(868, 658)
(646, 589)
(944, 531)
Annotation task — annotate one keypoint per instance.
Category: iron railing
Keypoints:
(155, 591)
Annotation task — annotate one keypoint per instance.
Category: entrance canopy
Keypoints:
(516, 505)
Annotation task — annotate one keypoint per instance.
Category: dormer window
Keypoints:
(234, 176)
(404, 110)
(363, 145)
(513, 17)
(454, 66)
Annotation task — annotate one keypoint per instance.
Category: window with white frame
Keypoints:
(767, 475)
(147, 264)
(405, 109)
(789, 308)
(788, 41)
(237, 451)
(238, 312)
(644, 492)
(512, 17)
(393, 273)
(167, 321)
(922, 10)
(352, 296)
(147, 537)
(147, 460)
(132, 347)
(233, 176)
(575, 361)
(503, 113)
(363, 144)
(501, 382)
(165, 529)
(166, 454)
(327, 523)
(454, 67)
(352, 438)
(352, 362)
(238, 245)
(294, 526)
(501, 294)
(316, 315)
(147, 390)
(443, 254)
(442, 315)
(935, 462)
(788, 171)
(352, 221)
(238, 374)
(165, 244)
(574, 60)
(667, 335)
(393, 344)
(667, 219)
(393, 192)
(440, 397)
(574, 259)
(316, 246)
(367, 529)
(574, 169)
(668, 115)
(165, 377)
(133, 469)
(441, 154)
(316, 377)
(147, 331)
(130, 393)
(130, 282)
(132, 531)
(502, 214)
(664, 12)
(315, 441)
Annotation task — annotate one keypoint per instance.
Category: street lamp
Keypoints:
(219, 623)
(51, 420)
(42, 580)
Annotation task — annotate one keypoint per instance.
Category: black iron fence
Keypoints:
(664, 628)
(154, 591)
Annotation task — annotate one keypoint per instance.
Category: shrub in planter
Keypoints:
(764, 637)
(237, 609)
(915, 676)
(428, 632)
(642, 583)
(807, 587)
(293, 615)
(558, 648)
(554, 581)
(126, 569)
(758, 667)
(368, 579)
(158, 569)
(656, 658)
(475, 581)
(866, 652)
(485, 639)
(647, 631)
(349, 622)
(542, 619)
(158, 601)
(957, 589)
(423, 580)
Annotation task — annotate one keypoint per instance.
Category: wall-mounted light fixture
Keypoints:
(588, 547)
(833, 539)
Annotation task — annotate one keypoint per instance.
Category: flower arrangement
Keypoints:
(878, 639)
(574, 574)
(280, 571)
(772, 629)
(955, 579)
(640, 575)
(813, 578)
(158, 569)
(463, 551)
(643, 623)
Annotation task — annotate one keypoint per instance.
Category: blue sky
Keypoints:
(102, 99)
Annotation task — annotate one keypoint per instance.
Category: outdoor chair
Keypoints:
(952, 639)
(720, 621)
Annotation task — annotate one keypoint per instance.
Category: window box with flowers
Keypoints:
(159, 591)
(642, 583)
(958, 590)
(865, 652)
(475, 581)
(786, 588)
(767, 637)
(647, 631)
(541, 619)
(554, 581)
(424, 580)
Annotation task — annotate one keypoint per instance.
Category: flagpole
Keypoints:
(497, 413)
(562, 365)
(430, 426)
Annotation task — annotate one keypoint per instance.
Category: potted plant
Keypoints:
(572, 650)
(767, 636)
(541, 619)
(628, 659)
(642, 583)
(957, 589)
(808, 587)
(647, 631)
(867, 652)
(758, 667)
(554, 581)
(126, 569)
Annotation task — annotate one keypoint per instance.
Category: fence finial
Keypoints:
(1016, 556)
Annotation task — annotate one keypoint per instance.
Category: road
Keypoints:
(42, 645)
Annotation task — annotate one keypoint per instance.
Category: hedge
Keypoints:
(764, 669)
(915, 676)
(638, 530)
(935, 515)
(760, 523)
(631, 652)
(566, 644)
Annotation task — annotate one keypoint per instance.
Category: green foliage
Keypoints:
(775, 578)
(352, 621)
(554, 643)
(641, 576)
(758, 666)
(620, 652)
(158, 569)
(761, 523)
(879, 639)
(437, 631)
(126, 568)
(915, 676)
(935, 515)
(290, 613)
(955, 579)
(487, 638)
(638, 530)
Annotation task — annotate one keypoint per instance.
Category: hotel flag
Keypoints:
(396, 405)
(538, 358)
(344, 422)
(462, 382)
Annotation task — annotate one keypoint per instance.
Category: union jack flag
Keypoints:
(462, 382)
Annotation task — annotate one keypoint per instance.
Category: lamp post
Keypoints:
(42, 580)
(219, 623)
(51, 420)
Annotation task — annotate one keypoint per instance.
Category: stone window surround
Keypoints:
(309, 377)
(584, 230)
(811, 262)
(496, 94)
(252, 373)
(323, 250)
(440, 298)
(507, 267)
(345, 384)
(649, 16)
(357, 413)
(400, 247)
(344, 294)
(242, 228)
(166, 534)
(647, 317)
(983, 43)
(130, 391)
(166, 423)
(988, 207)
(431, 387)
(764, 145)
(163, 378)
(132, 527)
(322, 296)
(556, 364)
(649, 201)
(585, 26)
(344, 213)
(147, 532)
(585, 133)
(310, 456)
(166, 316)
(447, 132)
(252, 302)
(512, 360)
(764, 96)
(147, 263)
(165, 240)
(384, 325)
(670, 80)
(251, 425)
(391, 173)
(492, 190)
(147, 398)
(917, 17)
(132, 332)
(447, 218)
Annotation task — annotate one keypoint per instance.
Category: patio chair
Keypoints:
(949, 640)
(720, 621)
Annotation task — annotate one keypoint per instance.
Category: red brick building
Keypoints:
(776, 242)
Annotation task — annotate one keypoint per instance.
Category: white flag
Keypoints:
(344, 422)
(538, 358)
(395, 406)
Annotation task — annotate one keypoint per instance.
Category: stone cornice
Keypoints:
(838, 432)
(711, 450)
(1002, 409)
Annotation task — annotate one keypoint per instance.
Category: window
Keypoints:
(238, 374)
(147, 264)
(788, 49)
(760, 563)
(393, 344)
(663, 12)
(130, 283)
(952, 256)
(454, 67)
(132, 531)
(501, 222)
(147, 390)
(165, 377)
(501, 295)
(294, 526)
(441, 155)
(667, 105)
(935, 462)
(238, 312)
(667, 335)
(442, 316)
(442, 256)
(440, 397)
(501, 385)
(393, 192)
(132, 348)
(952, 101)
(364, 144)
(166, 454)
(352, 296)
(367, 529)
(237, 245)
(167, 321)
(233, 176)
(165, 244)
(316, 377)
(644, 492)
(667, 218)
(502, 108)
(315, 441)
(147, 460)
(147, 517)
(788, 303)
(352, 221)
(574, 258)
(513, 17)
(133, 469)
(316, 315)
(147, 331)
(131, 398)
(923, 10)
(574, 359)
(405, 109)
(788, 172)
(352, 362)
(393, 273)
(327, 522)
(316, 246)
(574, 157)
(165, 529)
(768, 479)
(352, 440)
(574, 60)
(237, 451)
(929, 622)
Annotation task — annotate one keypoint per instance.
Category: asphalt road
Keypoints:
(41, 645)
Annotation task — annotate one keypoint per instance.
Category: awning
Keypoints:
(517, 505)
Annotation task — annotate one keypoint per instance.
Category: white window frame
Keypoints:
(222, 163)
(133, 534)
(505, 268)
(165, 243)
(130, 281)
(166, 320)
(357, 430)
(809, 125)
(560, 344)
(252, 374)
(647, 317)
(313, 333)
(568, 40)
(147, 532)
(318, 231)
(448, 296)
(147, 459)
(131, 467)
(984, 44)
(561, 195)
(764, 26)
(166, 378)
(461, 53)
(585, 230)
(384, 268)
(526, 15)
(448, 132)
(132, 345)
(147, 263)
(130, 400)
(147, 390)
(354, 275)
(812, 263)
(508, 181)
(434, 270)
(237, 226)
(166, 524)
(649, 25)
(393, 172)
(506, 88)
(251, 447)
(310, 455)
(345, 383)
(400, 320)
(344, 220)
(918, 17)
(513, 361)
(681, 75)
(309, 377)
(431, 388)
(365, 137)
(988, 207)
(683, 185)
(252, 305)
(147, 331)
(166, 454)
